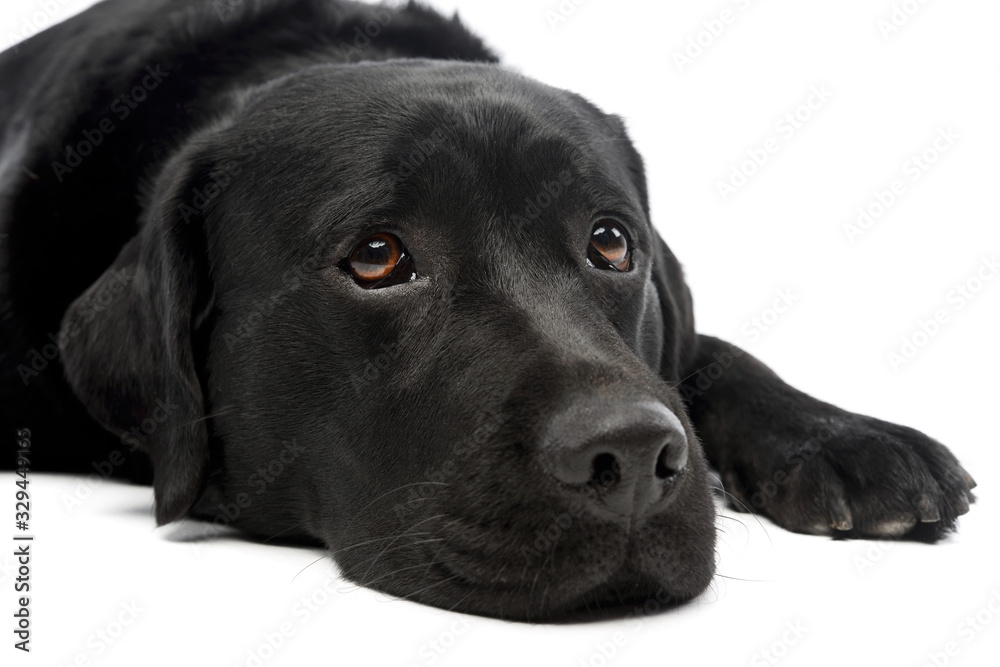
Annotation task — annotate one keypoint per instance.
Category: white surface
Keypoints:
(209, 603)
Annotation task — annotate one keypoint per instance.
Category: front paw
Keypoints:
(854, 476)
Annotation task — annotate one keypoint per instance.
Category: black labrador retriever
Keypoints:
(325, 271)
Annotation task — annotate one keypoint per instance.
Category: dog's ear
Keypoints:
(126, 343)
(677, 311)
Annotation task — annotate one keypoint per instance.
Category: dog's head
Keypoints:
(417, 311)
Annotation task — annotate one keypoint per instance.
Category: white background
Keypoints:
(210, 602)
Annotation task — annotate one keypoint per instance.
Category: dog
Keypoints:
(326, 272)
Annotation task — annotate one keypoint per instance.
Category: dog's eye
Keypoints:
(379, 261)
(609, 248)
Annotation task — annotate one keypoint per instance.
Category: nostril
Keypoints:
(616, 456)
(667, 463)
(605, 471)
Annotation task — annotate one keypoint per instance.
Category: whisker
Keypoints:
(406, 533)
(394, 573)
(374, 540)
(705, 367)
(282, 532)
(427, 588)
(752, 581)
(326, 555)
(221, 411)
(462, 599)
(723, 529)
(751, 513)
(498, 576)
(397, 489)
(429, 540)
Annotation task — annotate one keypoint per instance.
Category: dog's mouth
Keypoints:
(625, 592)
(597, 570)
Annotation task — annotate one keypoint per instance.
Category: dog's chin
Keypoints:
(623, 578)
(624, 593)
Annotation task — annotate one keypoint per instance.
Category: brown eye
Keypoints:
(379, 261)
(609, 248)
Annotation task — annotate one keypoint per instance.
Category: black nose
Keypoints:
(619, 456)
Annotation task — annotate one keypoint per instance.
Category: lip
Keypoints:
(563, 587)
(619, 594)
(453, 569)
(570, 567)
(451, 573)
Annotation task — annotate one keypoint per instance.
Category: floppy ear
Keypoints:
(677, 311)
(126, 343)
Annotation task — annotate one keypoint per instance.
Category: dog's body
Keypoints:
(184, 190)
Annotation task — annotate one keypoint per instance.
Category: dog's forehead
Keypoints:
(402, 134)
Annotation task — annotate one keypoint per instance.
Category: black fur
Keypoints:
(176, 295)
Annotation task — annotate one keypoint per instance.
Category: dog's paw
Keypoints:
(855, 476)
